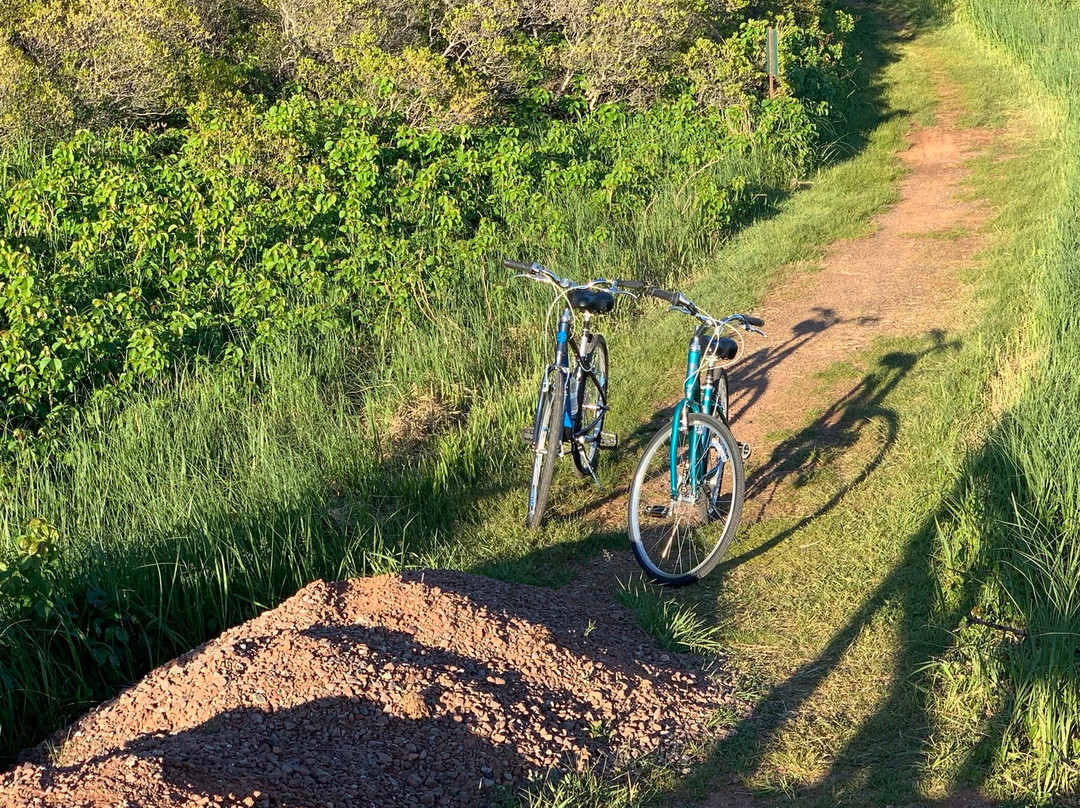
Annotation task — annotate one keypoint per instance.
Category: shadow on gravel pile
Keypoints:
(428, 688)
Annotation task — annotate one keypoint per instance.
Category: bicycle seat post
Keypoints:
(586, 331)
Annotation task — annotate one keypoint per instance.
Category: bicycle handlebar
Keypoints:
(674, 298)
(535, 272)
(680, 302)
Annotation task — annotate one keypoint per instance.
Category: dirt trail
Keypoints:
(898, 280)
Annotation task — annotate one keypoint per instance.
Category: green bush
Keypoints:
(128, 255)
(30, 106)
(134, 62)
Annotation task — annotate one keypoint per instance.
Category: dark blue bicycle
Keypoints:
(686, 497)
(573, 398)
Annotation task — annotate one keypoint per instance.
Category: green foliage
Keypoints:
(23, 578)
(127, 255)
(268, 182)
(87, 634)
(133, 61)
(30, 106)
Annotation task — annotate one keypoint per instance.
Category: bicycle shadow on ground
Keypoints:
(799, 458)
(750, 375)
(884, 760)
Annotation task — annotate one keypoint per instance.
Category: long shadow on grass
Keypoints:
(884, 761)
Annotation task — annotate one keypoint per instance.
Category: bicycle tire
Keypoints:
(721, 395)
(589, 395)
(709, 522)
(547, 444)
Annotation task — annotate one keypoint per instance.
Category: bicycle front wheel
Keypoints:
(686, 500)
(547, 443)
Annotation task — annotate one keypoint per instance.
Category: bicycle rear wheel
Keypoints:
(547, 443)
(720, 395)
(679, 536)
(591, 406)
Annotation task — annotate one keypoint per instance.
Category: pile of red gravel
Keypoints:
(428, 688)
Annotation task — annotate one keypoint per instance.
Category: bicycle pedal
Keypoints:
(608, 440)
(528, 435)
(657, 511)
(746, 449)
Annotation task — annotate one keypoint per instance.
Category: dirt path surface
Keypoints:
(428, 688)
(899, 280)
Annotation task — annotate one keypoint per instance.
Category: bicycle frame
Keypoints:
(698, 400)
(561, 364)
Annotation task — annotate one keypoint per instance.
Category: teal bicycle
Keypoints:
(687, 494)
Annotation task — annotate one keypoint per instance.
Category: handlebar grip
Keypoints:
(670, 297)
(628, 284)
(754, 321)
(516, 265)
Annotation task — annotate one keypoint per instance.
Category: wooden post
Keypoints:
(772, 57)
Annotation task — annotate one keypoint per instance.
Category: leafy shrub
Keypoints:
(90, 635)
(126, 255)
(30, 106)
(24, 579)
(119, 57)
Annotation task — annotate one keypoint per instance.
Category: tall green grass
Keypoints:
(1028, 527)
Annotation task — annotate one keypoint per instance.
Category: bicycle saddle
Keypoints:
(725, 348)
(592, 300)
